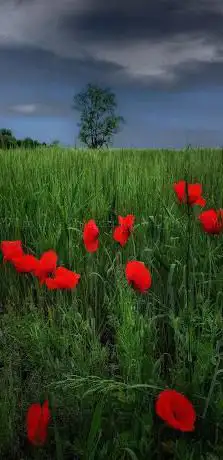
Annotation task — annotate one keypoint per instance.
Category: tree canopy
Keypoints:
(98, 121)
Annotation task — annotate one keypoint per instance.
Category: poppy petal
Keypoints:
(37, 421)
(212, 221)
(47, 265)
(25, 264)
(126, 222)
(190, 193)
(120, 235)
(176, 410)
(138, 275)
(11, 249)
(64, 279)
(90, 236)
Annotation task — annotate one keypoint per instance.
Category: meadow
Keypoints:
(102, 352)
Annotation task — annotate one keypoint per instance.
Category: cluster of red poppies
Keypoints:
(174, 408)
(211, 219)
(41, 268)
(46, 270)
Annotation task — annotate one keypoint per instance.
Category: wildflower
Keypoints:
(176, 410)
(46, 265)
(25, 264)
(64, 279)
(123, 231)
(11, 250)
(90, 236)
(194, 193)
(37, 420)
(212, 221)
(138, 275)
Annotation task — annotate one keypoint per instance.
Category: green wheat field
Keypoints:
(102, 353)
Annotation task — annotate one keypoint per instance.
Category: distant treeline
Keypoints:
(9, 141)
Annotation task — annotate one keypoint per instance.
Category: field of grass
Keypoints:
(101, 353)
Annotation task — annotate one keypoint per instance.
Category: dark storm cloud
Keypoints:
(188, 76)
(127, 22)
(153, 19)
(157, 43)
(47, 66)
(130, 19)
(45, 73)
(199, 76)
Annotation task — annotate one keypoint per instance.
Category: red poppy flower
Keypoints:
(122, 232)
(37, 420)
(212, 221)
(11, 250)
(138, 275)
(25, 264)
(194, 193)
(90, 236)
(176, 410)
(64, 279)
(46, 265)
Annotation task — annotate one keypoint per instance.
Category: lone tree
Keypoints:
(98, 121)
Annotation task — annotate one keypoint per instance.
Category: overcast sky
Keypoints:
(162, 58)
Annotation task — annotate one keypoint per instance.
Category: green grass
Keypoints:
(102, 352)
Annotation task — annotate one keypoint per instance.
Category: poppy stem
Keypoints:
(160, 435)
(188, 246)
(36, 293)
(187, 280)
